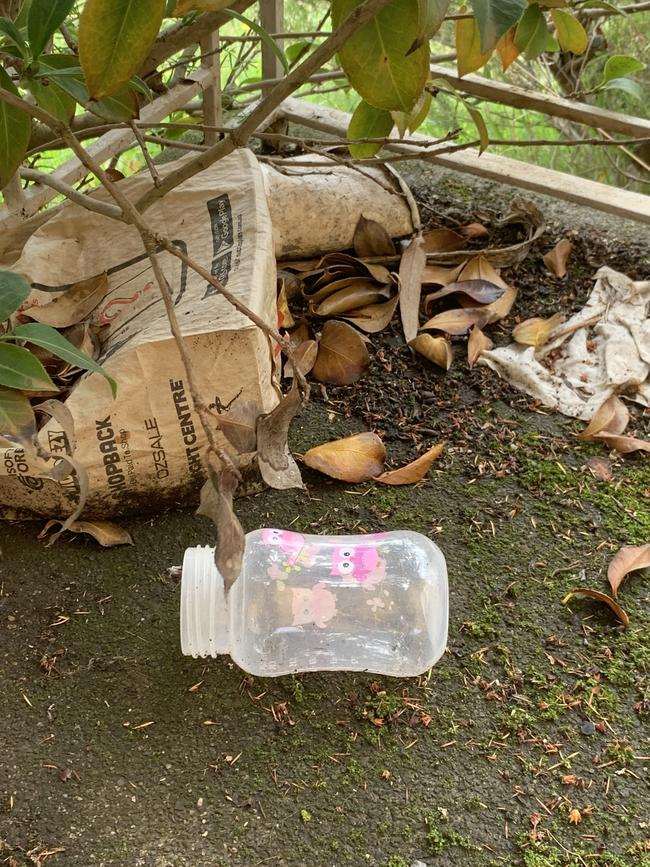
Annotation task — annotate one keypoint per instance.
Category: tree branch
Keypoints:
(103, 208)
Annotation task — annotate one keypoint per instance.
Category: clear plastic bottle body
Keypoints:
(376, 603)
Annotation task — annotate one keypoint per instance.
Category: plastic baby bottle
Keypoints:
(374, 603)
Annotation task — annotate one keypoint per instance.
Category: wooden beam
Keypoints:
(272, 20)
(547, 182)
(105, 147)
(555, 106)
(212, 114)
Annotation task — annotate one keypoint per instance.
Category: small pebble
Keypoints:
(588, 728)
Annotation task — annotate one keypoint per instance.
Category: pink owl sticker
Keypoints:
(360, 563)
(294, 552)
(315, 605)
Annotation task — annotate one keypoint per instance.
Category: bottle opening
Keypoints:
(204, 611)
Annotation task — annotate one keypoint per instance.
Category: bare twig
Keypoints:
(104, 208)
(155, 177)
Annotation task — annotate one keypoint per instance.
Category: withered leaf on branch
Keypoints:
(556, 259)
(536, 331)
(600, 597)
(104, 532)
(239, 425)
(72, 306)
(217, 505)
(627, 560)
(413, 472)
(478, 342)
(372, 239)
(435, 349)
(357, 458)
(342, 355)
(277, 466)
(410, 280)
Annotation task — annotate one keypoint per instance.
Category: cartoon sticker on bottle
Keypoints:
(358, 563)
(315, 605)
(293, 552)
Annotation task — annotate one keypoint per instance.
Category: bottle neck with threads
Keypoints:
(205, 618)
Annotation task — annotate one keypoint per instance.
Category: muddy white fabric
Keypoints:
(576, 372)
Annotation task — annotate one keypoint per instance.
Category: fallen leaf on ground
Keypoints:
(371, 239)
(342, 355)
(623, 444)
(556, 259)
(442, 241)
(473, 230)
(238, 425)
(459, 320)
(374, 317)
(277, 466)
(410, 280)
(435, 349)
(285, 319)
(479, 268)
(536, 331)
(304, 356)
(75, 304)
(478, 342)
(600, 597)
(575, 817)
(500, 308)
(104, 532)
(441, 276)
(413, 472)
(611, 417)
(358, 293)
(600, 468)
(357, 458)
(481, 291)
(627, 560)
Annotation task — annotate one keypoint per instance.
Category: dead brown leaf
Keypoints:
(556, 259)
(216, 504)
(435, 349)
(374, 317)
(410, 280)
(623, 444)
(72, 306)
(358, 293)
(536, 331)
(500, 308)
(478, 342)
(611, 417)
(459, 320)
(442, 241)
(371, 239)
(440, 276)
(479, 268)
(480, 291)
(600, 468)
(277, 466)
(357, 458)
(107, 534)
(627, 560)
(575, 817)
(285, 319)
(304, 356)
(473, 230)
(413, 472)
(342, 355)
(238, 425)
(600, 597)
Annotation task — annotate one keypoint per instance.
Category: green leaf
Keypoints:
(14, 289)
(64, 70)
(21, 19)
(620, 66)
(602, 4)
(570, 32)
(52, 98)
(43, 18)
(139, 86)
(17, 420)
(431, 14)
(297, 50)
(376, 60)
(49, 338)
(115, 37)
(411, 121)
(9, 30)
(479, 123)
(627, 85)
(368, 122)
(532, 33)
(20, 369)
(469, 56)
(264, 36)
(496, 17)
(15, 132)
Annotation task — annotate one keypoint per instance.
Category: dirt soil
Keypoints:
(528, 744)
